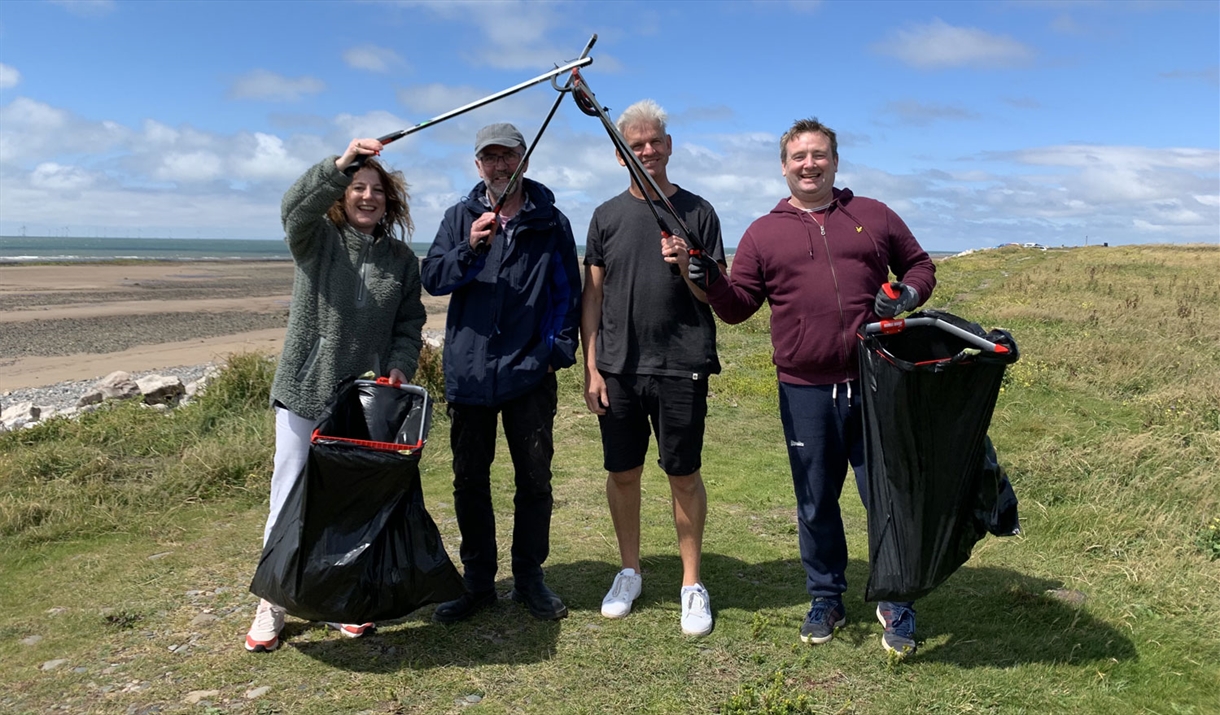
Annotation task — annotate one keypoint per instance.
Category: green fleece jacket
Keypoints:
(355, 300)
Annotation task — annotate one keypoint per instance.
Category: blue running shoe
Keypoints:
(825, 615)
(899, 622)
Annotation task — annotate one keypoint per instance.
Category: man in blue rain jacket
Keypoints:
(514, 319)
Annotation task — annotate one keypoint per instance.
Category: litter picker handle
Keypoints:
(395, 136)
(890, 327)
(890, 291)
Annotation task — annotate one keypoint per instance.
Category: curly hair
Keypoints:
(397, 221)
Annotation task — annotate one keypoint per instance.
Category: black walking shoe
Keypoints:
(825, 615)
(541, 602)
(463, 607)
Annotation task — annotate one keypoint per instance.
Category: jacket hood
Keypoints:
(842, 197)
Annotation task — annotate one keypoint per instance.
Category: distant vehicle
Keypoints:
(1033, 245)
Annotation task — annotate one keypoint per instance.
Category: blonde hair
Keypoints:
(643, 111)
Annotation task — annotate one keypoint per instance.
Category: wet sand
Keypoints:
(80, 321)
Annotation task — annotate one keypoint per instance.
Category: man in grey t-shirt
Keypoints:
(650, 344)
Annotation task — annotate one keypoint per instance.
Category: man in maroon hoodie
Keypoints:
(819, 259)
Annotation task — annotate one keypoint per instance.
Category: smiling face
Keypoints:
(364, 201)
(810, 168)
(651, 145)
(496, 165)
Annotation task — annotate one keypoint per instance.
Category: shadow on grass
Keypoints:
(981, 617)
(992, 617)
(504, 633)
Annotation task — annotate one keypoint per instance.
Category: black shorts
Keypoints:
(677, 408)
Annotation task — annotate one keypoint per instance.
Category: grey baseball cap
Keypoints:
(502, 134)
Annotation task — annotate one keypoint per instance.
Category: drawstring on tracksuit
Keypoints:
(834, 392)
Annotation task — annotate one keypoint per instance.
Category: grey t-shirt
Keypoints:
(651, 322)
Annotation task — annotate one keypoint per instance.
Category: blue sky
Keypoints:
(980, 123)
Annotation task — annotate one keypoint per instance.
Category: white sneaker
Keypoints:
(696, 611)
(264, 635)
(626, 588)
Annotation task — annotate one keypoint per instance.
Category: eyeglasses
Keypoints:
(509, 159)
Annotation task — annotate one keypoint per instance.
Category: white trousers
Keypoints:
(291, 452)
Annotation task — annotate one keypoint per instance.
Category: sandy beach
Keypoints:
(81, 321)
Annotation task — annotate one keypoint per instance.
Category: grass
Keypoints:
(132, 532)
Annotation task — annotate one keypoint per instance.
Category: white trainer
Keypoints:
(696, 611)
(264, 635)
(625, 589)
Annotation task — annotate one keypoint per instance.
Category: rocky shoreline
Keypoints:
(65, 395)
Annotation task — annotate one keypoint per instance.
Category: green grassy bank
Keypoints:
(127, 541)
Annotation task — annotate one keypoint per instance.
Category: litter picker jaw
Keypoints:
(587, 102)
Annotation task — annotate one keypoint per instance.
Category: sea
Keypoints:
(61, 249)
(44, 249)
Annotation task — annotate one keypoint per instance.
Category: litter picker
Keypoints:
(512, 180)
(395, 136)
(587, 102)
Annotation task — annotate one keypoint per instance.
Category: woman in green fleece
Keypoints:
(355, 307)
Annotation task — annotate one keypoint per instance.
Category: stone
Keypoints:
(118, 385)
(158, 557)
(53, 664)
(31, 640)
(160, 389)
(14, 417)
(193, 697)
(258, 692)
(204, 619)
(1069, 596)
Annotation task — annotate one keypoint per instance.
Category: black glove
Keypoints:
(703, 271)
(886, 307)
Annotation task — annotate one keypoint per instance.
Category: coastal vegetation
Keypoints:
(128, 537)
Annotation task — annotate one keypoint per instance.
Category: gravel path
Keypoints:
(115, 333)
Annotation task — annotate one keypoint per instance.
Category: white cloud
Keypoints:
(156, 174)
(373, 58)
(34, 130)
(266, 85)
(189, 167)
(920, 114)
(9, 76)
(269, 159)
(59, 178)
(939, 45)
(514, 32)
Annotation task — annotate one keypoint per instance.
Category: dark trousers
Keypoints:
(825, 433)
(528, 427)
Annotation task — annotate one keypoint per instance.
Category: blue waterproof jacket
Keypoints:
(514, 310)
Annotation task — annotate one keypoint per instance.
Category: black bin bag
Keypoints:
(353, 542)
(930, 384)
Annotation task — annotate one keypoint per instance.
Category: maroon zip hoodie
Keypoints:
(820, 287)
